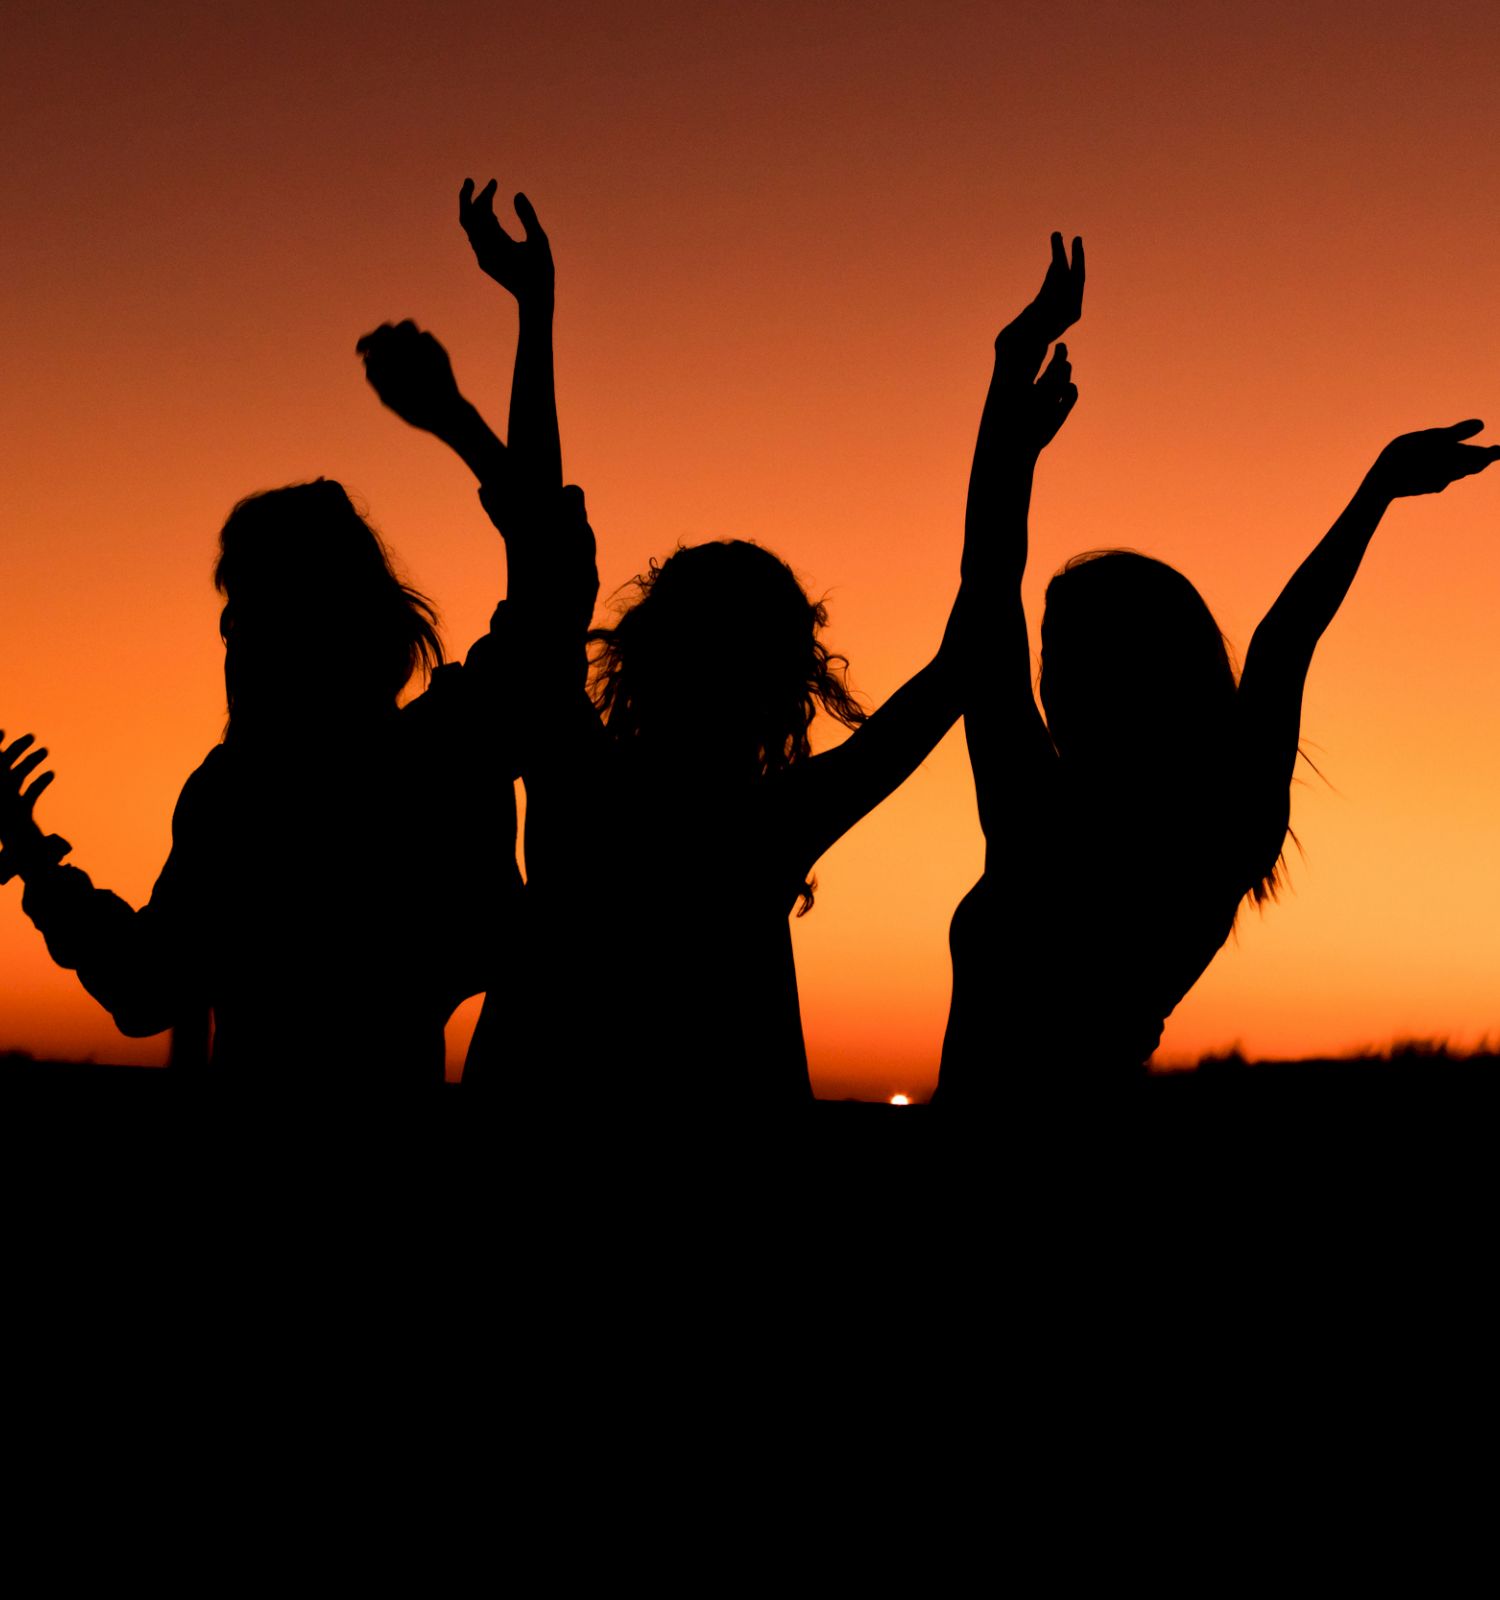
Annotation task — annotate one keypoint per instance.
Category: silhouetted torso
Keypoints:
(668, 845)
(332, 896)
(707, 879)
(676, 895)
(1085, 932)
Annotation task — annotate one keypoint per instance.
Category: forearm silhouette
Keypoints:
(134, 963)
(525, 268)
(1281, 650)
(1021, 415)
(411, 373)
(1010, 749)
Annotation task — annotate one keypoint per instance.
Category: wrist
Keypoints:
(1375, 490)
(463, 430)
(456, 421)
(1024, 332)
(1015, 464)
(32, 856)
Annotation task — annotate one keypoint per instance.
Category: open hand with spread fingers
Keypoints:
(1427, 461)
(524, 265)
(22, 844)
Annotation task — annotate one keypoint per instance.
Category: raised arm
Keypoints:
(524, 267)
(1009, 747)
(1021, 415)
(1281, 651)
(411, 373)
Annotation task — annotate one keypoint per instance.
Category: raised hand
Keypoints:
(1057, 306)
(1426, 462)
(1052, 397)
(411, 373)
(22, 844)
(524, 266)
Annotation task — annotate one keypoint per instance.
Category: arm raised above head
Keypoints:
(1022, 414)
(1009, 748)
(413, 376)
(525, 268)
(834, 790)
(1281, 651)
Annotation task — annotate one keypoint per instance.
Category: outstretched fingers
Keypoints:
(17, 748)
(1477, 457)
(1056, 395)
(34, 793)
(529, 223)
(1470, 458)
(1056, 381)
(1428, 460)
(1059, 302)
(23, 769)
(15, 798)
(1058, 370)
(1070, 277)
(476, 212)
(469, 203)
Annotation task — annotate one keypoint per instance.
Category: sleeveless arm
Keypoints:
(1281, 651)
(830, 793)
(1009, 748)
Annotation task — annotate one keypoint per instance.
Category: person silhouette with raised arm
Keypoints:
(681, 810)
(537, 631)
(1148, 779)
(342, 867)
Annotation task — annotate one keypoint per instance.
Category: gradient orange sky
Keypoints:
(786, 235)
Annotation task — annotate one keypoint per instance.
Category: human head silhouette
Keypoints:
(1134, 667)
(317, 627)
(717, 661)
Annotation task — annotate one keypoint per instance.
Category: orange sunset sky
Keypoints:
(786, 235)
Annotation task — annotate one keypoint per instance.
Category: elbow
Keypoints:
(140, 1024)
(137, 1016)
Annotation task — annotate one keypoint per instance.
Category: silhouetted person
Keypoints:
(342, 868)
(1124, 830)
(537, 632)
(673, 820)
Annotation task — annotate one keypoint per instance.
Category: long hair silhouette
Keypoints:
(304, 552)
(674, 816)
(343, 868)
(1132, 660)
(707, 810)
(747, 702)
(764, 679)
(1128, 821)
